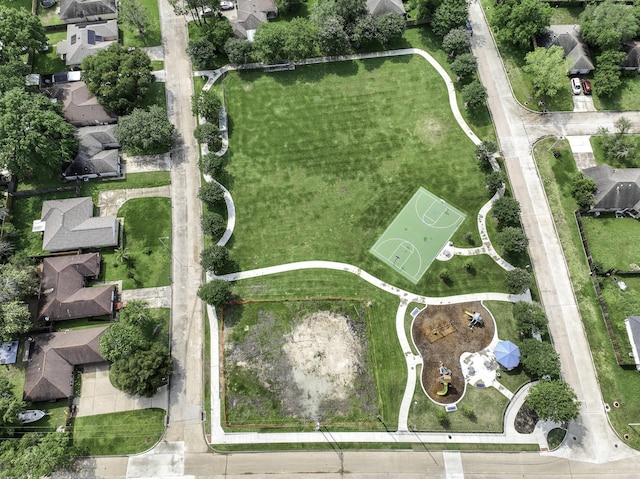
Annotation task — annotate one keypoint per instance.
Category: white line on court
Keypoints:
(453, 465)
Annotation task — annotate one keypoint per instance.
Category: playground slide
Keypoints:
(445, 390)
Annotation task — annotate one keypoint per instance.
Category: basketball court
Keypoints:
(417, 234)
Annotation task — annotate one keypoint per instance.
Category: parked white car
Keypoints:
(225, 5)
(575, 86)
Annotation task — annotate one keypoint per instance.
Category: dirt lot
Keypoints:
(310, 366)
(441, 334)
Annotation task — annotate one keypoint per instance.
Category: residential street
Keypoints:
(183, 451)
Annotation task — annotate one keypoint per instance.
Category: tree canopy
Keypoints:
(548, 68)
(214, 292)
(10, 406)
(608, 23)
(553, 401)
(20, 32)
(119, 77)
(34, 137)
(539, 358)
(238, 51)
(474, 94)
(456, 41)
(517, 281)
(506, 210)
(519, 21)
(512, 240)
(448, 15)
(134, 15)
(529, 318)
(145, 131)
(207, 105)
(143, 372)
(214, 258)
(17, 281)
(464, 65)
(15, 320)
(36, 455)
(582, 190)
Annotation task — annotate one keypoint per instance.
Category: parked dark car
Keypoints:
(586, 86)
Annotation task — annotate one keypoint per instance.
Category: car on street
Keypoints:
(575, 86)
(586, 86)
(225, 5)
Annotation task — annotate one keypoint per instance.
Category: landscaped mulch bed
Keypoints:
(442, 334)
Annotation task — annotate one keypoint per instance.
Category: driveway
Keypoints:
(110, 201)
(98, 396)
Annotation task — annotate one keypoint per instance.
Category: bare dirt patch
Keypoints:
(285, 363)
(441, 334)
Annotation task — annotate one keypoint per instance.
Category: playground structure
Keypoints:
(445, 379)
(476, 319)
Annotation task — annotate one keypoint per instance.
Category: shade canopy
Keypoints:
(507, 354)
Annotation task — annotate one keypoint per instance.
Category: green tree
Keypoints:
(608, 23)
(519, 21)
(12, 74)
(15, 320)
(444, 274)
(364, 31)
(548, 69)
(213, 224)
(134, 15)
(136, 313)
(207, 105)
(17, 282)
(512, 240)
(606, 79)
(211, 164)
(424, 9)
(456, 41)
(484, 153)
(202, 52)
(582, 190)
(619, 149)
(464, 65)
(34, 137)
(218, 30)
(119, 77)
(215, 292)
(332, 39)
(239, 51)
(214, 258)
(448, 15)
(20, 32)
(389, 27)
(494, 181)
(553, 401)
(350, 10)
(145, 131)
(474, 94)
(286, 6)
(143, 372)
(36, 455)
(268, 42)
(300, 39)
(10, 406)
(530, 318)
(506, 210)
(539, 358)
(121, 340)
(209, 134)
(211, 193)
(517, 281)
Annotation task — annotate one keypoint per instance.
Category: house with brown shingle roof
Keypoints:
(65, 292)
(49, 374)
(80, 107)
(69, 224)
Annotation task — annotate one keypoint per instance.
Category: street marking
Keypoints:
(453, 465)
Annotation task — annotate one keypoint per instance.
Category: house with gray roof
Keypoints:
(65, 292)
(86, 39)
(80, 107)
(251, 13)
(76, 11)
(575, 50)
(618, 190)
(69, 224)
(98, 155)
(632, 324)
(49, 374)
(632, 59)
(380, 7)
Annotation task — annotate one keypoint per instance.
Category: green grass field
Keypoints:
(327, 155)
(598, 152)
(616, 384)
(128, 432)
(50, 61)
(152, 35)
(149, 243)
(415, 237)
(609, 243)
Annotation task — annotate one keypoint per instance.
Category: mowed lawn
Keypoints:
(324, 157)
(609, 241)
